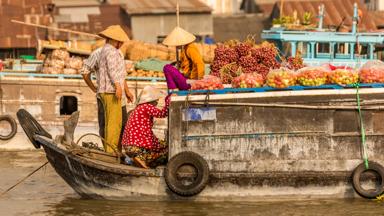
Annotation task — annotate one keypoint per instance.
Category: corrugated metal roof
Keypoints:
(75, 3)
(136, 7)
(335, 12)
(97, 18)
(19, 36)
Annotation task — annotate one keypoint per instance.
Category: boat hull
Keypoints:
(100, 180)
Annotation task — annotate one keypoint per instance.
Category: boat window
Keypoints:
(68, 105)
(302, 48)
(323, 48)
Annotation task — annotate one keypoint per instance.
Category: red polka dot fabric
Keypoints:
(138, 132)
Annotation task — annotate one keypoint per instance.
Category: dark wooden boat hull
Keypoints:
(100, 180)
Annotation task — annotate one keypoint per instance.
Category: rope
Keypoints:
(362, 129)
(23, 179)
(357, 85)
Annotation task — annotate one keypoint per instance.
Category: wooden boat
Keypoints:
(250, 145)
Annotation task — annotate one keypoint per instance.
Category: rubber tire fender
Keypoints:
(31, 127)
(370, 194)
(187, 158)
(13, 124)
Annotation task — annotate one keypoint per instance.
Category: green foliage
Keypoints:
(307, 18)
(283, 20)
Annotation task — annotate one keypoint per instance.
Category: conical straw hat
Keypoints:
(115, 32)
(179, 37)
(149, 94)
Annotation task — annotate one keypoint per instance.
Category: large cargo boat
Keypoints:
(248, 145)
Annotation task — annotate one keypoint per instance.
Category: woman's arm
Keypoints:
(197, 60)
(127, 92)
(159, 113)
(88, 81)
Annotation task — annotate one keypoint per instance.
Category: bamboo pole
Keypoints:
(281, 8)
(178, 13)
(56, 29)
(293, 106)
(178, 25)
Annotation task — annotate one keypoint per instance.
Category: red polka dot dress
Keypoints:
(138, 132)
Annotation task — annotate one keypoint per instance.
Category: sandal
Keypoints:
(138, 162)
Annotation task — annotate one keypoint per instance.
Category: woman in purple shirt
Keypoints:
(175, 79)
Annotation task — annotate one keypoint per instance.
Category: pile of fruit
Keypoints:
(144, 73)
(281, 78)
(234, 58)
(207, 83)
(295, 63)
(372, 72)
(343, 77)
(312, 76)
(250, 80)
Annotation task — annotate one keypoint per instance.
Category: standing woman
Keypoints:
(191, 62)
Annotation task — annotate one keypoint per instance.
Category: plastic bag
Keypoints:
(343, 77)
(57, 63)
(70, 71)
(60, 54)
(372, 72)
(75, 63)
(209, 82)
(52, 70)
(312, 76)
(250, 80)
(281, 78)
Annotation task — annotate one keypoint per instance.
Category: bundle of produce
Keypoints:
(223, 55)
(281, 78)
(60, 54)
(249, 80)
(70, 71)
(75, 63)
(312, 76)
(207, 83)
(243, 49)
(145, 73)
(56, 63)
(228, 72)
(372, 72)
(52, 70)
(343, 77)
(295, 63)
(248, 56)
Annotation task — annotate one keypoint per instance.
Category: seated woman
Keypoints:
(139, 141)
(191, 61)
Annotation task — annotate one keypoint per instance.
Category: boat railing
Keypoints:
(71, 76)
(323, 32)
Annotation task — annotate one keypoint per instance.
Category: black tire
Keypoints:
(176, 184)
(13, 124)
(373, 167)
(31, 127)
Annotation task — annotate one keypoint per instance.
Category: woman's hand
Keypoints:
(119, 91)
(129, 96)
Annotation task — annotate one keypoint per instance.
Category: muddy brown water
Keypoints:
(45, 193)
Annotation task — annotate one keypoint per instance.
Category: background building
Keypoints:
(145, 20)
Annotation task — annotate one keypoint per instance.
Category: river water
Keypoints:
(45, 193)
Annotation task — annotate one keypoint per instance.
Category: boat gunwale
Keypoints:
(100, 165)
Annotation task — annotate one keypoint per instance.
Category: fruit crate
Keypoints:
(270, 89)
